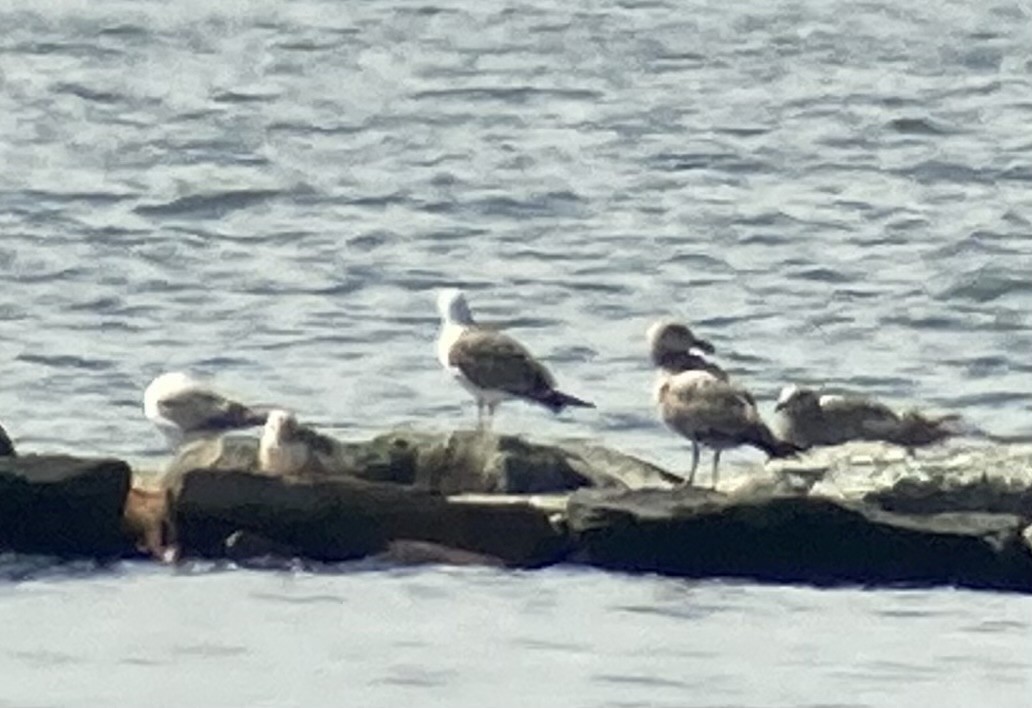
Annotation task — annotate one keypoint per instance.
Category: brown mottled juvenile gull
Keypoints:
(186, 409)
(809, 418)
(288, 448)
(703, 406)
(491, 365)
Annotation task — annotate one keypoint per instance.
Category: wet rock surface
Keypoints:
(63, 505)
(450, 463)
(796, 539)
(342, 519)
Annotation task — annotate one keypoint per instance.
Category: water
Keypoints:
(268, 192)
(470, 637)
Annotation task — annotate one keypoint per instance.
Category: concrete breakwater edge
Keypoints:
(858, 514)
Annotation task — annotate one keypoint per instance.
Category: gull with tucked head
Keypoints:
(186, 409)
(288, 448)
(491, 365)
(809, 418)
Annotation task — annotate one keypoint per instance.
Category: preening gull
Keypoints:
(491, 365)
(809, 418)
(288, 448)
(703, 406)
(186, 409)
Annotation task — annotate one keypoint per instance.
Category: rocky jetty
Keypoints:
(65, 506)
(863, 514)
(797, 539)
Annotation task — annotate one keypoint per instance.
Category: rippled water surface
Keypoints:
(268, 192)
(482, 637)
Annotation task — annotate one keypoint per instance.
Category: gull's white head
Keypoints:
(655, 332)
(787, 394)
(165, 386)
(796, 398)
(452, 305)
(279, 427)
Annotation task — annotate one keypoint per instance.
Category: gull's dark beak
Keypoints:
(705, 346)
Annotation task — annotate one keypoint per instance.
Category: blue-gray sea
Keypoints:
(268, 192)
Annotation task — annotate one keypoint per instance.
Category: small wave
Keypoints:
(822, 275)
(124, 30)
(245, 96)
(545, 205)
(88, 197)
(17, 567)
(641, 680)
(933, 171)
(88, 94)
(988, 399)
(209, 205)
(930, 321)
(299, 128)
(74, 49)
(518, 94)
(987, 284)
(66, 362)
(917, 126)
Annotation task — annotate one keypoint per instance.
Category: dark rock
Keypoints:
(468, 461)
(247, 546)
(6, 446)
(996, 495)
(452, 463)
(406, 552)
(342, 519)
(796, 539)
(62, 505)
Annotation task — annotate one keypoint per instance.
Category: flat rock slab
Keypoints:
(947, 494)
(344, 519)
(796, 539)
(61, 505)
(450, 463)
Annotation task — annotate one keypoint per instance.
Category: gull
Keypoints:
(813, 419)
(186, 409)
(705, 407)
(288, 448)
(491, 365)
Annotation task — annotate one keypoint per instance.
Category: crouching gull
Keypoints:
(491, 365)
(809, 418)
(289, 448)
(186, 409)
(703, 406)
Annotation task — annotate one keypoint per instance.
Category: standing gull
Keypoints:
(185, 409)
(491, 365)
(703, 406)
(813, 419)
